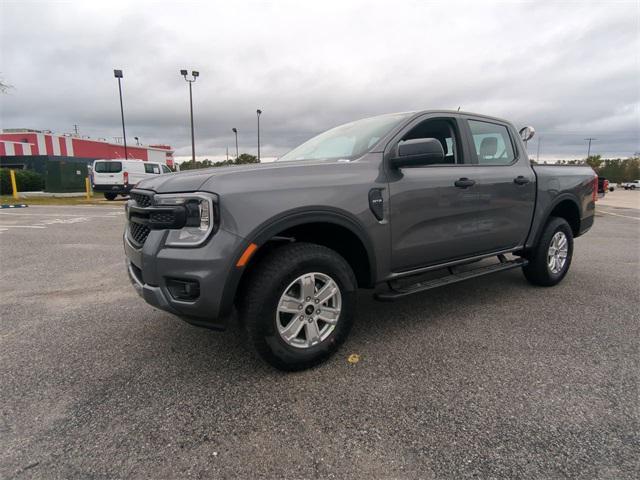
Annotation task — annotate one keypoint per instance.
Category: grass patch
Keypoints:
(96, 199)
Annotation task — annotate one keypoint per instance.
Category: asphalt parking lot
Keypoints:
(490, 378)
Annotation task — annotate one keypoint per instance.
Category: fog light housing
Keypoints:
(183, 290)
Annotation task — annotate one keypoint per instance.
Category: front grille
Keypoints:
(141, 199)
(138, 233)
(162, 217)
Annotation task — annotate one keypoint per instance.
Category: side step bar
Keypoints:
(393, 293)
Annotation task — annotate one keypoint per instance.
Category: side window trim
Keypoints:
(472, 148)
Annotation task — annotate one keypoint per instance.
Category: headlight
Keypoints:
(201, 217)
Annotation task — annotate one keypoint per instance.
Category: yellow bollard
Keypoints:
(87, 186)
(14, 187)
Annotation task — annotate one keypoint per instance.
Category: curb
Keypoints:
(20, 205)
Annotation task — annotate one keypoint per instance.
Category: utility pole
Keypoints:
(590, 139)
(227, 153)
(75, 128)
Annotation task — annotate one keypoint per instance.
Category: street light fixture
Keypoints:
(258, 112)
(118, 74)
(137, 139)
(235, 130)
(194, 75)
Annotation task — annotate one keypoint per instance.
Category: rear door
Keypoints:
(505, 184)
(107, 172)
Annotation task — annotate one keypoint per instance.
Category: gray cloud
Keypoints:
(569, 69)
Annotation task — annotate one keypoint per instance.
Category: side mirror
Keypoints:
(527, 133)
(419, 151)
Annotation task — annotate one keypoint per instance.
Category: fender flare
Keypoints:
(292, 218)
(547, 214)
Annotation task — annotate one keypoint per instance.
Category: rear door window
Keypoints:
(151, 168)
(108, 167)
(492, 143)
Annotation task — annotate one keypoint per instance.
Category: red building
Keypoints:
(17, 142)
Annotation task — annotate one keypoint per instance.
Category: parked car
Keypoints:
(118, 177)
(603, 187)
(631, 185)
(399, 204)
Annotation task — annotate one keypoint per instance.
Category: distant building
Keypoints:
(64, 159)
(21, 142)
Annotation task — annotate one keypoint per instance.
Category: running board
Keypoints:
(454, 277)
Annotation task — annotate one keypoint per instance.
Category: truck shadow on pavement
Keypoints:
(378, 325)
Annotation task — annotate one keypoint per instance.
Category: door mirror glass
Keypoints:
(527, 133)
(419, 151)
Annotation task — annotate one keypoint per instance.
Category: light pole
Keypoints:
(235, 130)
(118, 75)
(258, 112)
(194, 75)
(137, 139)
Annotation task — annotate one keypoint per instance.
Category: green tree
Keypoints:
(244, 158)
(594, 161)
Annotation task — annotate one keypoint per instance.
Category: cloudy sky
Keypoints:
(571, 69)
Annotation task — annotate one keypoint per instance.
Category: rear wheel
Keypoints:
(110, 196)
(549, 261)
(299, 305)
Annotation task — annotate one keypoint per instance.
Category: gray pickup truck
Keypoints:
(397, 203)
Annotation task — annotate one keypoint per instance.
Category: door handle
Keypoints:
(520, 180)
(464, 182)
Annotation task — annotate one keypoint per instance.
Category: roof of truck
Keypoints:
(460, 112)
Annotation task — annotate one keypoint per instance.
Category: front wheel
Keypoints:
(299, 305)
(110, 196)
(550, 259)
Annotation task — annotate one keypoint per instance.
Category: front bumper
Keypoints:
(210, 265)
(121, 189)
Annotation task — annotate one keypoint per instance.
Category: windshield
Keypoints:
(347, 141)
(107, 167)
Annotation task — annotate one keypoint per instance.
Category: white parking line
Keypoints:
(22, 226)
(618, 215)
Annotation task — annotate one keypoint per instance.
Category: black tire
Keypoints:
(537, 271)
(110, 196)
(270, 280)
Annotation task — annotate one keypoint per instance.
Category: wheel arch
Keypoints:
(564, 206)
(568, 209)
(338, 230)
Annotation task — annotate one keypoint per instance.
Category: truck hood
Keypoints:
(219, 179)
